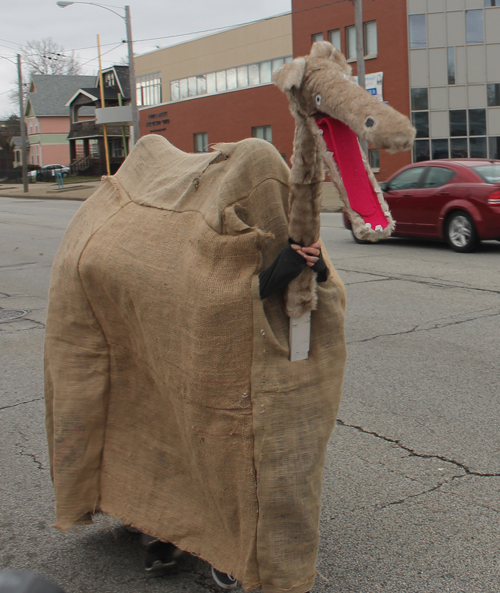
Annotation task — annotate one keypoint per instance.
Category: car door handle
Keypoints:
(406, 195)
(444, 193)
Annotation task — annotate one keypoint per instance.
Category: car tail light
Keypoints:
(494, 198)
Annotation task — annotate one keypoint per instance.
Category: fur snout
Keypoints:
(387, 129)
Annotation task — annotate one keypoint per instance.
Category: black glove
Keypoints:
(287, 266)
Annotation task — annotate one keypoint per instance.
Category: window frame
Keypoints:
(365, 39)
(203, 136)
(412, 42)
(469, 22)
(330, 38)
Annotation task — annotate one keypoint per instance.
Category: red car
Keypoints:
(457, 200)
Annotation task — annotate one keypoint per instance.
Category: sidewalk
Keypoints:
(49, 191)
(81, 191)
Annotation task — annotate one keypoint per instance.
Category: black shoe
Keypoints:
(161, 555)
(223, 579)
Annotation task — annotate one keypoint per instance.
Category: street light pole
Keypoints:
(136, 133)
(360, 53)
(24, 151)
(131, 73)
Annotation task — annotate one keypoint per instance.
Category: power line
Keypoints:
(202, 30)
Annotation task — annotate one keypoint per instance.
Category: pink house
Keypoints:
(48, 119)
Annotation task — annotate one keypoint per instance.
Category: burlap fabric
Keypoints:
(171, 402)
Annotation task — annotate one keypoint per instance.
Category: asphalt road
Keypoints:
(412, 484)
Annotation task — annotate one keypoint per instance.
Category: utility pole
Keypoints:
(360, 53)
(131, 71)
(24, 151)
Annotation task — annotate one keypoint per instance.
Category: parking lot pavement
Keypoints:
(412, 476)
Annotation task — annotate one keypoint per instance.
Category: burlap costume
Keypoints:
(171, 402)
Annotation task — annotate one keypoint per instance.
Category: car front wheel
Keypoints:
(461, 233)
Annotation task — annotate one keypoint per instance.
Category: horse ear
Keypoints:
(290, 75)
(323, 49)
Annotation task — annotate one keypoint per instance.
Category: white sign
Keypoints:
(373, 84)
(114, 115)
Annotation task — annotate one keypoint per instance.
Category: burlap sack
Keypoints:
(171, 402)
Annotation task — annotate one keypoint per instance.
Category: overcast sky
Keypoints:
(76, 27)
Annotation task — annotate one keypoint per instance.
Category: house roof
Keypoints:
(16, 141)
(52, 91)
(89, 95)
(93, 95)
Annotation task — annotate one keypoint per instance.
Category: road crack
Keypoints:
(414, 453)
(21, 403)
(24, 453)
(419, 328)
(428, 281)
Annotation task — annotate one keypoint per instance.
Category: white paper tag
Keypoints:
(300, 337)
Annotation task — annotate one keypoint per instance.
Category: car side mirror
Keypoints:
(384, 186)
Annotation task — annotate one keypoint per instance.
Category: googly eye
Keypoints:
(318, 99)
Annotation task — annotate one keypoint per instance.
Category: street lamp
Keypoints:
(131, 68)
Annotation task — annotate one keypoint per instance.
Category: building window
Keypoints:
(94, 148)
(220, 77)
(494, 94)
(201, 142)
(418, 31)
(458, 122)
(458, 148)
(351, 42)
(470, 123)
(117, 149)
(477, 122)
(317, 37)
(477, 148)
(494, 147)
(371, 48)
(148, 89)
(79, 149)
(421, 151)
(265, 72)
(451, 65)
(242, 75)
(109, 79)
(420, 121)
(239, 77)
(334, 38)
(419, 99)
(491, 3)
(263, 132)
(474, 27)
(440, 148)
(231, 79)
(374, 159)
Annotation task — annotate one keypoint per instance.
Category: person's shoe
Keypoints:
(223, 579)
(161, 555)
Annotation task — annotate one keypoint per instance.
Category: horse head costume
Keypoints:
(330, 109)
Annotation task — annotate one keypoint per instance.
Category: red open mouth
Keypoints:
(342, 142)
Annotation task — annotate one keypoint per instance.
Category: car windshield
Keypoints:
(490, 173)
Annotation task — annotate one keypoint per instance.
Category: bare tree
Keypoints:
(45, 56)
